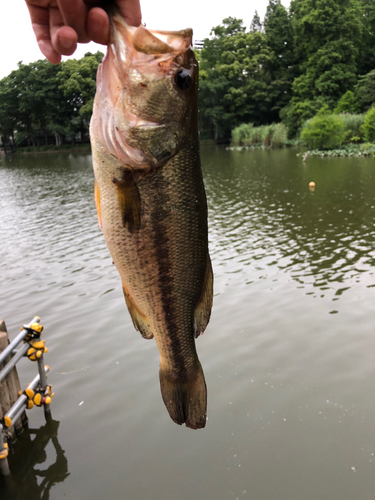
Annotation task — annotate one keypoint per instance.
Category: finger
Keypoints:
(74, 13)
(65, 41)
(49, 52)
(63, 38)
(97, 25)
(130, 11)
(40, 23)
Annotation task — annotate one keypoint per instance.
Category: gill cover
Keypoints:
(147, 87)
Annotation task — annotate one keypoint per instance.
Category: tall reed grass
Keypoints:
(274, 135)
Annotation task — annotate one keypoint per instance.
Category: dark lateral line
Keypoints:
(161, 243)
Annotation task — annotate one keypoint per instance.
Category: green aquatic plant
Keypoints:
(368, 127)
(348, 150)
(353, 126)
(324, 131)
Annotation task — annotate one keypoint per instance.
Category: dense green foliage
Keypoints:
(365, 90)
(353, 127)
(278, 31)
(234, 79)
(326, 35)
(42, 103)
(368, 127)
(367, 52)
(324, 131)
(327, 130)
(286, 68)
(347, 104)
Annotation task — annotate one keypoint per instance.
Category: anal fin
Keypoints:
(140, 321)
(202, 311)
(129, 201)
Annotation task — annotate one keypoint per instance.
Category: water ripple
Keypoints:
(316, 238)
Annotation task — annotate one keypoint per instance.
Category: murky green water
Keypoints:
(288, 355)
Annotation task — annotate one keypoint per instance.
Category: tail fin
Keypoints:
(186, 400)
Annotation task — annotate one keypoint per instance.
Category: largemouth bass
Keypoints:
(151, 201)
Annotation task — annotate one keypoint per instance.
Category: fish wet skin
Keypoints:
(151, 201)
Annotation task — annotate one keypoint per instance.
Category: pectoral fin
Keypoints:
(97, 203)
(129, 201)
(140, 321)
(203, 309)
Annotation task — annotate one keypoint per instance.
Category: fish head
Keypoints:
(146, 105)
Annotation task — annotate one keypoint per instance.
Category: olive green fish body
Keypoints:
(153, 213)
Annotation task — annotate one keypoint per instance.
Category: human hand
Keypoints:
(60, 24)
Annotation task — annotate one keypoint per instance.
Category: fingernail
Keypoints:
(67, 43)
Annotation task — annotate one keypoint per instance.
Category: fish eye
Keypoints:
(183, 79)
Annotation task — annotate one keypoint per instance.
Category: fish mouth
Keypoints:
(144, 48)
(147, 41)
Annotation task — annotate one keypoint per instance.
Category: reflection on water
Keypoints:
(32, 475)
(263, 211)
(288, 354)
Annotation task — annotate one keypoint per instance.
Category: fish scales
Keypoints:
(159, 263)
(153, 214)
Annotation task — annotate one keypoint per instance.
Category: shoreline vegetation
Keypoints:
(65, 148)
(348, 150)
(327, 134)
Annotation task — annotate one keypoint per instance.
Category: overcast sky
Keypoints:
(17, 42)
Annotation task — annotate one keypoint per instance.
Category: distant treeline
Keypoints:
(319, 54)
(42, 104)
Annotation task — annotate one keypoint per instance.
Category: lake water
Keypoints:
(289, 354)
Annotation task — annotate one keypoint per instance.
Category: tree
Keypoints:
(278, 30)
(234, 79)
(367, 59)
(8, 109)
(77, 79)
(365, 91)
(28, 100)
(327, 41)
(347, 104)
(256, 24)
(41, 99)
